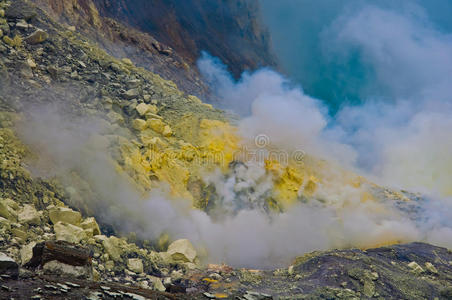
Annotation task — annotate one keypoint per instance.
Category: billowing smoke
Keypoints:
(392, 57)
(239, 231)
(400, 138)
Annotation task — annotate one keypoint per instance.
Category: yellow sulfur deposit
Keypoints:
(161, 158)
(219, 141)
(177, 152)
(291, 182)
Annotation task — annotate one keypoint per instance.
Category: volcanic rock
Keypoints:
(182, 250)
(91, 224)
(64, 214)
(156, 124)
(69, 233)
(65, 252)
(26, 253)
(8, 266)
(143, 109)
(131, 94)
(55, 267)
(113, 246)
(20, 9)
(29, 215)
(37, 37)
(135, 265)
(139, 124)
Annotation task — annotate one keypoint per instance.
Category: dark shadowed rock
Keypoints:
(20, 9)
(8, 266)
(61, 251)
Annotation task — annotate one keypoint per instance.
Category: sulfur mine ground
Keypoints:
(156, 137)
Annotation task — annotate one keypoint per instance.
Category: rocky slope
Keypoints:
(57, 235)
(168, 37)
(230, 30)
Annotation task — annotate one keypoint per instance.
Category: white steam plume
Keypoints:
(405, 142)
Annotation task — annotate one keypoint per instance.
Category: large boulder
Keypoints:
(182, 250)
(64, 214)
(65, 252)
(69, 233)
(37, 37)
(8, 266)
(29, 215)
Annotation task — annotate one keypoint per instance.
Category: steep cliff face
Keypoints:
(230, 30)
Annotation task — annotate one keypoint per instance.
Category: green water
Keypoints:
(297, 29)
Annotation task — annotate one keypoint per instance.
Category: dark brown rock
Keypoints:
(61, 251)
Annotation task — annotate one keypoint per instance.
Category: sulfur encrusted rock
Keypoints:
(182, 250)
(91, 224)
(431, 268)
(29, 215)
(167, 132)
(113, 246)
(156, 124)
(139, 124)
(64, 214)
(69, 233)
(127, 61)
(4, 211)
(144, 108)
(26, 253)
(135, 265)
(415, 267)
